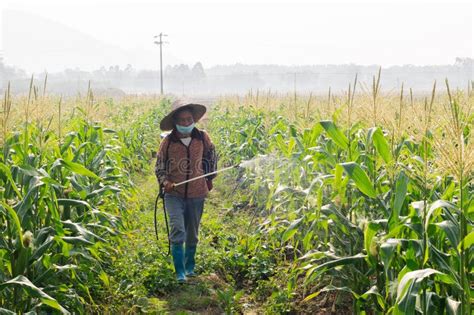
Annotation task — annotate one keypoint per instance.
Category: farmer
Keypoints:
(185, 153)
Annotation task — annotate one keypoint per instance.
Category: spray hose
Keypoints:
(161, 195)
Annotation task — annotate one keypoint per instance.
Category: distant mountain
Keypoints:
(36, 44)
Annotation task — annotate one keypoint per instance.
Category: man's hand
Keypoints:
(168, 186)
(209, 184)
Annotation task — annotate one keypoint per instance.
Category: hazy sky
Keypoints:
(273, 32)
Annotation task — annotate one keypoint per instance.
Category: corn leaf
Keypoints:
(360, 178)
(335, 134)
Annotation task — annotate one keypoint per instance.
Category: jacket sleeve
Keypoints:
(160, 165)
(210, 157)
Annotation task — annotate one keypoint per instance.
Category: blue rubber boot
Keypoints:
(189, 261)
(178, 259)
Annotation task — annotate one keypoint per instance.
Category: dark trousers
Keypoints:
(185, 217)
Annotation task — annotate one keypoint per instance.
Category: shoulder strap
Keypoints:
(205, 164)
(204, 144)
(166, 152)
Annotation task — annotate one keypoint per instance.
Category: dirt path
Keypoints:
(144, 275)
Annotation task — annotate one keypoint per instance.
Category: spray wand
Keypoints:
(205, 175)
(243, 164)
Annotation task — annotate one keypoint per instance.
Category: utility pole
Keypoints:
(160, 43)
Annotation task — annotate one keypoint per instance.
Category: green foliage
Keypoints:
(328, 208)
(394, 230)
(229, 300)
(62, 210)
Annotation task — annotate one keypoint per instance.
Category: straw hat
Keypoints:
(197, 110)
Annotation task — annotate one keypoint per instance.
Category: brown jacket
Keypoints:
(177, 162)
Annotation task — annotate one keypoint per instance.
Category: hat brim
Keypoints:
(198, 111)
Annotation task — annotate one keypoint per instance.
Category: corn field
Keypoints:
(367, 195)
(364, 196)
